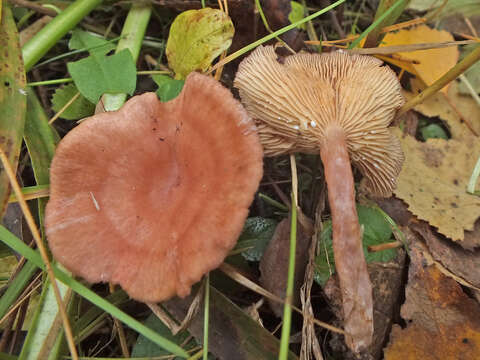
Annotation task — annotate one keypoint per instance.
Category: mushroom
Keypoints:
(155, 195)
(339, 105)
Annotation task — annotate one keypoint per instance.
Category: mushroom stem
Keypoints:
(347, 241)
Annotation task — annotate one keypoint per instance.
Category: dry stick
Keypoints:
(235, 275)
(120, 330)
(386, 246)
(451, 75)
(468, 37)
(43, 252)
(384, 50)
(38, 8)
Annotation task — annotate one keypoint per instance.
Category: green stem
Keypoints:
(131, 38)
(38, 46)
(206, 317)
(287, 310)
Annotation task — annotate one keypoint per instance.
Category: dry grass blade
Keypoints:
(191, 313)
(21, 299)
(235, 275)
(43, 252)
(385, 50)
(310, 344)
(386, 29)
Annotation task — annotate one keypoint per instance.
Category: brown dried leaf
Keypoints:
(274, 263)
(433, 183)
(445, 323)
(463, 263)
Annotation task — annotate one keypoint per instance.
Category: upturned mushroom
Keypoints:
(155, 195)
(340, 106)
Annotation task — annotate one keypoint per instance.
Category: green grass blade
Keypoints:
(206, 317)
(287, 310)
(38, 45)
(376, 23)
(41, 140)
(373, 37)
(16, 244)
(16, 287)
(12, 98)
(44, 327)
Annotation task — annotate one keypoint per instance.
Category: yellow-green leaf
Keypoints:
(13, 100)
(196, 38)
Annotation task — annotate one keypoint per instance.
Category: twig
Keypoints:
(34, 6)
(384, 50)
(235, 275)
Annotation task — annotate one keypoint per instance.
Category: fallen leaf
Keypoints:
(233, 335)
(13, 99)
(274, 263)
(443, 322)
(463, 263)
(438, 106)
(427, 65)
(433, 183)
(196, 38)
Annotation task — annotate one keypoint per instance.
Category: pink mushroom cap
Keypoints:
(155, 195)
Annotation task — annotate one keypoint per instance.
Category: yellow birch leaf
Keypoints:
(431, 64)
(438, 106)
(433, 183)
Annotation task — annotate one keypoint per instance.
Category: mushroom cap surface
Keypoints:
(295, 101)
(155, 195)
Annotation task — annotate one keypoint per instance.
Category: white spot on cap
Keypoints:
(313, 123)
(296, 127)
(95, 202)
